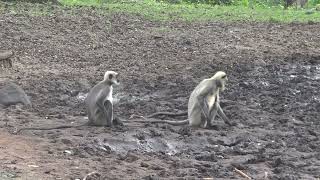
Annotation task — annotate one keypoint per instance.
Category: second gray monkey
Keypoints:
(203, 105)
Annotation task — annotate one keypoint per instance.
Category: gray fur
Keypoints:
(200, 112)
(98, 105)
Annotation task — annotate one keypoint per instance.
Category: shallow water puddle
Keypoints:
(148, 145)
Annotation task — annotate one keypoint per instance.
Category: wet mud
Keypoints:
(272, 94)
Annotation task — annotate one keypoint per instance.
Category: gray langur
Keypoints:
(203, 105)
(99, 102)
(99, 105)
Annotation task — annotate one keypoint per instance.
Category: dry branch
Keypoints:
(89, 176)
(242, 173)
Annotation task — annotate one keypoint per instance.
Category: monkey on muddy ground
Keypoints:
(203, 105)
(98, 103)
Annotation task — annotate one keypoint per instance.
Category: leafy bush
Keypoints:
(314, 2)
(210, 2)
(34, 1)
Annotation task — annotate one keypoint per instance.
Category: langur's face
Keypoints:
(116, 79)
(113, 77)
(224, 80)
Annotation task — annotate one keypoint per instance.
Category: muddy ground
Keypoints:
(273, 96)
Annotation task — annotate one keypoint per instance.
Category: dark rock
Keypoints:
(12, 94)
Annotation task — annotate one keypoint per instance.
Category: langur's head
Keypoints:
(221, 78)
(112, 77)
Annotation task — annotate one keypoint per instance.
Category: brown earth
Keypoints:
(273, 95)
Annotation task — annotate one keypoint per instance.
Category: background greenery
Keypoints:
(201, 10)
(204, 10)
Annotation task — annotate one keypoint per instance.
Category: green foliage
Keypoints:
(210, 2)
(245, 3)
(314, 2)
(162, 11)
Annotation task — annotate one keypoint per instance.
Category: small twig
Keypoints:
(90, 174)
(136, 116)
(242, 173)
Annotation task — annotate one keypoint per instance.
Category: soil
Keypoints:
(272, 94)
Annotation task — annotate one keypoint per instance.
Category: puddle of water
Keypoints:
(121, 146)
(170, 147)
(149, 145)
(7, 175)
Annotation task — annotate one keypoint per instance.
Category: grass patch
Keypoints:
(200, 12)
(160, 11)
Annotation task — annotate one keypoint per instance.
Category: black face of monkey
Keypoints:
(112, 77)
(221, 80)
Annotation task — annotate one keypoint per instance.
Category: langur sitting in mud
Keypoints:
(98, 103)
